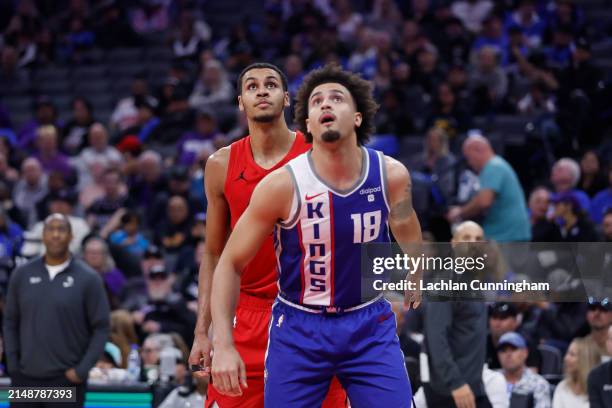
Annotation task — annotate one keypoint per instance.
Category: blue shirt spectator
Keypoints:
(602, 202)
(507, 219)
(11, 236)
(500, 201)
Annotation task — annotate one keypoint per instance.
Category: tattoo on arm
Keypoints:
(403, 209)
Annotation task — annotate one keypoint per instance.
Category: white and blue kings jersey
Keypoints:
(318, 247)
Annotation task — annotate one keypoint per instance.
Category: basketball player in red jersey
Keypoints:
(231, 174)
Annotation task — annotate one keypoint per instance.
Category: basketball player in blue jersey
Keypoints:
(321, 207)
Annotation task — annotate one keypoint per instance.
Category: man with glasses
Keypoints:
(599, 318)
(57, 317)
(165, 310)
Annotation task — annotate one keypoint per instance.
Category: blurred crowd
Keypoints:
(130, 179)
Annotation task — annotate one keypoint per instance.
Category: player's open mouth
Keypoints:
(327, 118)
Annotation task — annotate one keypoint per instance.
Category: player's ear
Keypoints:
(308, 126)
(358, 119)
(240, 106)
(287, 99)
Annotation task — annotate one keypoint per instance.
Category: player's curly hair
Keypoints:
(359, 88)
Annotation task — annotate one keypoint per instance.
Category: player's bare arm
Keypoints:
(217, 230)
(270, 202)
(403, 220)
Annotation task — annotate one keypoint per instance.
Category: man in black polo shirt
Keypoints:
(57, 317)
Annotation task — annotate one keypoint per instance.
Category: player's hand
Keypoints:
(453, 214)
(200, 356)
(412, 298)
(464, 397)
(228, 371)
(72, 376)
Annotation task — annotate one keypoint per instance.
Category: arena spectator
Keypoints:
(203, 137)
(97, 255)
(74, 134)
(191, 36)
(177, 117)
(538, 101)
(129, 235)
(592, 176)
(607, 226)
(165, 310)
(438, 161)
(126, 112)
(11, 237)
(94, 189)
(526, 18)
(8, 205)
(30, 189)
(179, 184)
(115, 197)
(7, 173)
(500, 199)
(45, 115)
(60, 202)
(581, 357)
(447, 109)
(48, 153)
(573, 224)
(123, 334)
(542, 229)
(493, 36)
(149, 179)
(602, 201)
(472, 13)
(174, 232)
(512, 353)
(504, 318)
(150, 17)
(213, 89)
(560, 322)
(564, 176)
(599, 381)
(488, 81)
(97, 151)
(599, 318)
(427, 72)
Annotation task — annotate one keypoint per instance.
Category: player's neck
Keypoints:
(339, 165)
(270, 140)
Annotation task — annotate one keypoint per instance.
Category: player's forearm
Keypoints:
(205, 279)
(225, 293)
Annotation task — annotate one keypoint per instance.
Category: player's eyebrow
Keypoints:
(338, 91)
(255, 79)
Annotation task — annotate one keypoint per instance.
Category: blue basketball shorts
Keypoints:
(361, 348)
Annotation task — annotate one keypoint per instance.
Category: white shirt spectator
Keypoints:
(472, 14)
(33, 245)
(565, 398)
(495, 388)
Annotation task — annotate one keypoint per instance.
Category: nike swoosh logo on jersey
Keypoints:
(308, 198)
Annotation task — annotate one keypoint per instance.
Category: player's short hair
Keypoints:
(263, 65)
(359, 88)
